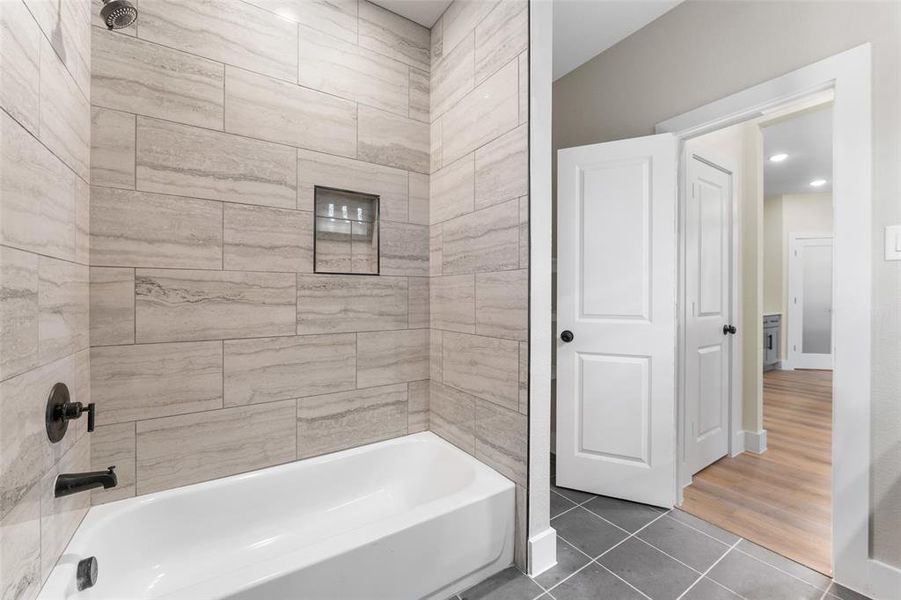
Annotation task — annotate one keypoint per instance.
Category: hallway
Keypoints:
(780, 499)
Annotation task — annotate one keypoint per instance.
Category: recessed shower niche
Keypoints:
(347, 232)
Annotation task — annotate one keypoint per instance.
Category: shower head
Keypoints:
(118, 14)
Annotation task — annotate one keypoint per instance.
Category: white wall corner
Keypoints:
(542, 551)
(755, 441)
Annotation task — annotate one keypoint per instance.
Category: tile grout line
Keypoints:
(784, 572)
(710, 568)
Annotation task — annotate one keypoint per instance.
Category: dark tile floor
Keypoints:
(614, 550)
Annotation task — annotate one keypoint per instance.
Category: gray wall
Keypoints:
(702, 51)
(215, 348)
(479, 237)
(45, 149)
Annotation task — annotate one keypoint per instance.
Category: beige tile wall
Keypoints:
(216, 348)
(478, 236)
(45, 146)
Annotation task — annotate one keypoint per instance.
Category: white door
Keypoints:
(708, 307)
(616, 291)
(810, 301)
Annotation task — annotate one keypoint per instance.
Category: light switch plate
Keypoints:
(893, 242)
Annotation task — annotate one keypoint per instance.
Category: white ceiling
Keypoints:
(424, 12)
(807, 139)
(585, 28)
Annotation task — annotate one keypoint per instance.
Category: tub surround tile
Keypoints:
(419, 95)
(502, 169)
(452, 415)
(146, 381)
(482, 366)
(259, 238)
(524, 232)
(392, 140)
(140, 77)
(114, 445)
(138, 229)
(487, 112)
(20, 67)
(392, 35)
(182, 305)
(66, 25)
(453, 303)
(19, 312)
(112, 306)
(65, 126)
(435, 155)
(500, 37)
(236, 33)
(523, 87)
(342, 68)
(337, 18)
(199, 163)
(453, 76)
(436, 39)
(436, 362)
(436, 249)
(417, 406)
(60, 517)
(453, 190)
(486, 240)
(271, 369)
(336, 422)
(261, 107)
(317, 169)
(418, 294)
(389, 357)
(418, 199)
(344, 303)
(186, 449)
(524, 378)
(112, 148)
(460, 18)
(502, 304)
(82, 222)
(63, 300)
(404, 249)
(501, 440)
(37, 195)
(20, 548)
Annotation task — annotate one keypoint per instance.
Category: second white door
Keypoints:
(708, 312)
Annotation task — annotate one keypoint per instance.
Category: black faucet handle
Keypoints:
(91, 413)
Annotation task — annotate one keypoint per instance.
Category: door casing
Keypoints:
(849, 74)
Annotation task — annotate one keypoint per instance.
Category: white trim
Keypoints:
(540, 250)
(542, 551)
(849, 73)
(794, 358)
(754, 441)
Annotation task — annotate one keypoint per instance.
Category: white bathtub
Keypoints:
(412, 517)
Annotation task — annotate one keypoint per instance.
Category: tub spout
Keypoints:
(72, 483)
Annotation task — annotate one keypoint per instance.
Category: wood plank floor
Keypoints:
(781, 499)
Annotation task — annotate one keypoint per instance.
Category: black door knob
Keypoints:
(567, 336)
(727, 329)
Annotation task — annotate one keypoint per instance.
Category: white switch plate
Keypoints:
(893, 242)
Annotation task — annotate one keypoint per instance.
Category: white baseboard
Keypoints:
(885, 580)
(755, 441)
(542, 551)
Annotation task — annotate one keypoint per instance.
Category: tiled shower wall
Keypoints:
(44, 168)
(215, 349)
(479, 248)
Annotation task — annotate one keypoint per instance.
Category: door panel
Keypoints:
(708, 302)
(810, 301)
(616, 292)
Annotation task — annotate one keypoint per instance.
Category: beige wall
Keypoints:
(44, 198)
(215, 348)
(782, 216)
(479, 237)
(702, 51)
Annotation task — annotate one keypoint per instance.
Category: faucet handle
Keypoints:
(91, 417)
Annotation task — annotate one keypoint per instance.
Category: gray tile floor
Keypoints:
(613, 549)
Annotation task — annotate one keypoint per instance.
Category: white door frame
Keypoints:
(794, 323)
(849, 75)
(735, 440)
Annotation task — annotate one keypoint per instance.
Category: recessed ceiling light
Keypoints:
(778, 157)
(818, 183)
